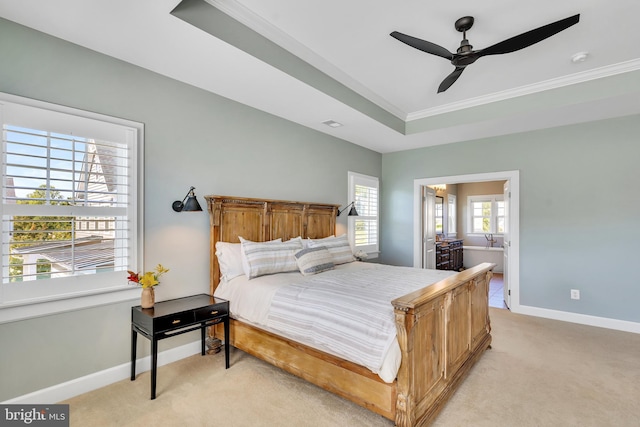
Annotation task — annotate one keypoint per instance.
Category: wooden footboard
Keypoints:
(442, 330)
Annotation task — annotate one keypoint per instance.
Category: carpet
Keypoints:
(539, 372)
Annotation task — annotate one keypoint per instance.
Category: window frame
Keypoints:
(493, 219)
(105, 288)
(354, 178)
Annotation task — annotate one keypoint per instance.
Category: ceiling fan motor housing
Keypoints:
(464, 55)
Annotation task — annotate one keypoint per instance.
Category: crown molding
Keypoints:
(572, 79)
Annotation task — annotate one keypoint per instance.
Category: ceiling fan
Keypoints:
(465, 55)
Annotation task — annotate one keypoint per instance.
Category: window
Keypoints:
(486, 214)
(69, 211)
(363, 229)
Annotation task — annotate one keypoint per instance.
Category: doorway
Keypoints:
(512, 243)
(496, 291)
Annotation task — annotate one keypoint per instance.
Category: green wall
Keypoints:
(579, 207)
(192, 137)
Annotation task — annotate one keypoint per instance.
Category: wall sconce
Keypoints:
(352, 212)
(188, 204)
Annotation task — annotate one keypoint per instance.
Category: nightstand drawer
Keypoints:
(203, 314)
(174, 321)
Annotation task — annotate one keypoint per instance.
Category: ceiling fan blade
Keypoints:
(530, 37)
(450, 79)
(423, 45)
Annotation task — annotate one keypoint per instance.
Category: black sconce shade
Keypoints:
(352, 211)
(188, 204)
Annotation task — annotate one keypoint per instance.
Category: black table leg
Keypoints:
(154, 366)
(134, 339)
(203, 331)
(227, 340)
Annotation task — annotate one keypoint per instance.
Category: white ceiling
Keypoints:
(382, 91)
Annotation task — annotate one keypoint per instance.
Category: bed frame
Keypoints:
(443, 329)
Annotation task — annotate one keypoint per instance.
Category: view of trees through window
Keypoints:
(28, 230)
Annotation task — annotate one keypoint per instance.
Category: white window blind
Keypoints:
(69, 206)
(363, 229)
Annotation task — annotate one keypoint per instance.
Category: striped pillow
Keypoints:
(339, 248)
(314, 260)
(269, 257)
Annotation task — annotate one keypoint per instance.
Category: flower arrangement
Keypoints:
(149, 278)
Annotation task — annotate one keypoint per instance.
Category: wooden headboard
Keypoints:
(260, 220)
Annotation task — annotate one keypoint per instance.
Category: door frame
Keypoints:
(514, 220)
(428, 235)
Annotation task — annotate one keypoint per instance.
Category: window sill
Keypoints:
(368, 255)
(14, 312)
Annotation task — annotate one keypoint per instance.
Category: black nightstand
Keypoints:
(174, 317)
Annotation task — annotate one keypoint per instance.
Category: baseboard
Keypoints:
(584, 319)
(69, 389)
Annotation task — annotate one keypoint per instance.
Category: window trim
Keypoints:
(358, 178)
(493, 198)
(15, 310)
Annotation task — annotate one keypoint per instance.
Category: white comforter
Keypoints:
(346, 312)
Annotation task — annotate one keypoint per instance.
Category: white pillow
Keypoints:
(260, 258)
(314, 260)
(339, 248)
(229, 259)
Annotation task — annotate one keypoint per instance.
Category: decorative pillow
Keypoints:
(339, 248)
(245, 264)
(229, 259)
(262, 258)
(314, 260)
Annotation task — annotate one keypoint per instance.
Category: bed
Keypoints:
(442, 328)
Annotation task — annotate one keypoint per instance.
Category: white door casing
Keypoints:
(506, 244)
(429, 229)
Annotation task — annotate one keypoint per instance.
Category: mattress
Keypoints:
(369, 340)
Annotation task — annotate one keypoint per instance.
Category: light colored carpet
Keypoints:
(539, 372)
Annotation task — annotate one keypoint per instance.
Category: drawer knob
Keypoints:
(215, 312)
(175, 322)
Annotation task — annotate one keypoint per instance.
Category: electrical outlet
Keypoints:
(575, 294)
